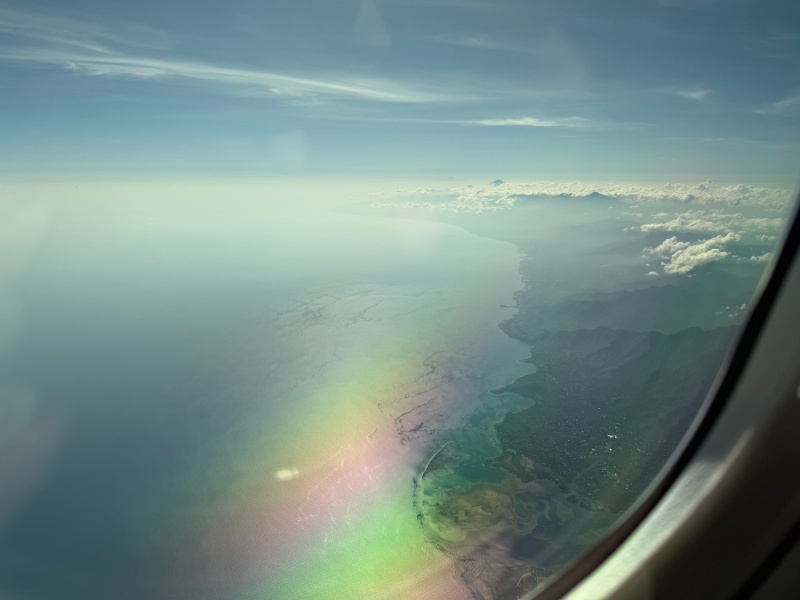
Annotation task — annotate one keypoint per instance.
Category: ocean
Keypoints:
(227, 392)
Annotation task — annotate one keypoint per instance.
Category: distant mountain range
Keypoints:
(593, 197)
(596, 197)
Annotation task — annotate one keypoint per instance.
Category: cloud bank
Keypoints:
(715, 220)
(723, 215)
(457, 200)
(705, 195)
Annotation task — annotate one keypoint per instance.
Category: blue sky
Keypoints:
(674, 90)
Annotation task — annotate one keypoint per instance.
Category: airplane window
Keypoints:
(367, 299)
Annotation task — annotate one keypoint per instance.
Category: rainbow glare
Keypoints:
(308, 362)
(318, 498)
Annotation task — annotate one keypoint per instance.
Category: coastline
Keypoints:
(556, 453)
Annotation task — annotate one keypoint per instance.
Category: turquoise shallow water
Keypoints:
(233, 404)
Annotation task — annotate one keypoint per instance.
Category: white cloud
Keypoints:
(68, 33)
(708, 192)
(242, 80)
(90, 50)
(705, 193)
(714, 221)
(762, 258)
(531, 122)
(667, 248)
(680, 258)
(787, 105)
(461, 200)
(688, 260)
(682, 224)
(694, 94)
(569, 122)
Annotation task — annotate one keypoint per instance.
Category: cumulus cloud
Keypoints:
(759, 259)
(692, 221)
(732, 311)
(680, 258)
(667, 248)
